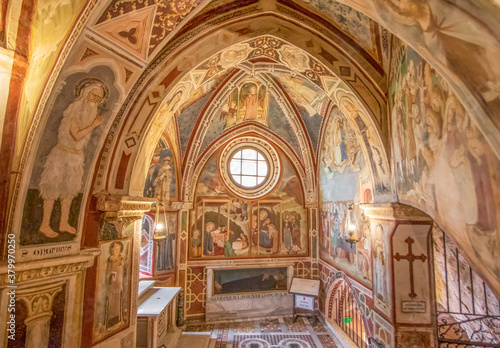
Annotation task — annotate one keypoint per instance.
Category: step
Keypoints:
(194, 339)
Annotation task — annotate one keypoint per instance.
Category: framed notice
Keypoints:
(305, 291)
(304, 302)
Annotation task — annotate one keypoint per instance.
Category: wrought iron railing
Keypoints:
(468, 314)
(348, 315)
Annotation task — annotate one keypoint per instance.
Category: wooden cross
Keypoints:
(410, 257)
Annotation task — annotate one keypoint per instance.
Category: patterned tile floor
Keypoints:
(272, 332)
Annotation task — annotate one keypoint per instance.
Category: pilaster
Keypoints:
(402, 267)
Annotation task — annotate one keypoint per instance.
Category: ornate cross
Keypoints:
(410, 257)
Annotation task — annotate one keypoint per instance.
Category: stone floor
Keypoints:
(272, 332)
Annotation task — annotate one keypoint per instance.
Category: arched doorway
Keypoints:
(342, 310)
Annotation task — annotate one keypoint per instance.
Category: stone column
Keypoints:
(39, 302)
(402, 268)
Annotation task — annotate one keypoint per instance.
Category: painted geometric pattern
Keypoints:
(302, 269)
(272, 332)
(169, 13)
(196, 290)
(275, 49)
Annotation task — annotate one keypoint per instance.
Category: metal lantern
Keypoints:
(350, 226)
(160, 220)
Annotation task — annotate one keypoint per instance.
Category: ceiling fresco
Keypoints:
(142, 26)
(355, 24)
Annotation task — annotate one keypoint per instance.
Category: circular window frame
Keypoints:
(269, 154)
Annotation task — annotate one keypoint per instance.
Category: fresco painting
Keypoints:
(247, 102)
(344, 177)
(113, 288)
(443, 164)
(354, 23)
(249, 280)
(165, 243)
(381, 266)
(446, 31)
(310, 101)
(226, 226)
(161, 178)
(369, 141)
(75, 123)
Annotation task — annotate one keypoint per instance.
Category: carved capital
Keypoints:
(121, 211)
(394, 211)
(186, 205)
(39, 300)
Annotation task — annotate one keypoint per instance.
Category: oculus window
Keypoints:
(249, 167)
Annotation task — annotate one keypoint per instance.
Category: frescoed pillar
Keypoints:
(39, 302)
(402, 285)
(124, 213)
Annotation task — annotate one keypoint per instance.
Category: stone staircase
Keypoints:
(195, 340)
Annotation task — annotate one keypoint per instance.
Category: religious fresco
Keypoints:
(344, 177)
(373, 149)
(443, 164)
(113, 288)
(249, 101)
(226, 226)
(249, 280)
(358, 26)
(310, 101)
(381, 265)
(165, 242)
(342, 162)
(446, 31)
(187, 120)
(75, 124)
(276, 121)
(51, 24)
(161, 180)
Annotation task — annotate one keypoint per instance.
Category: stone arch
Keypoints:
(342, 300)
(190, 178)
(194, 150)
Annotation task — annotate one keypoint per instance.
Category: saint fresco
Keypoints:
(75, 123)
(161, 180)
(113, 288)
(247, 102)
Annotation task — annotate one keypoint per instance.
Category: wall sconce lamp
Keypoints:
(160, 220)
(350, 226)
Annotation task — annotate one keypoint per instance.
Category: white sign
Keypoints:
(304, 302)
(413, 306)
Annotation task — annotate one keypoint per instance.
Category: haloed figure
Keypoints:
(62, 175)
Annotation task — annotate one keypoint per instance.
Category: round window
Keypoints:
(249, 167)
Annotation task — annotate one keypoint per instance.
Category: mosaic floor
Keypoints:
(276, 332)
